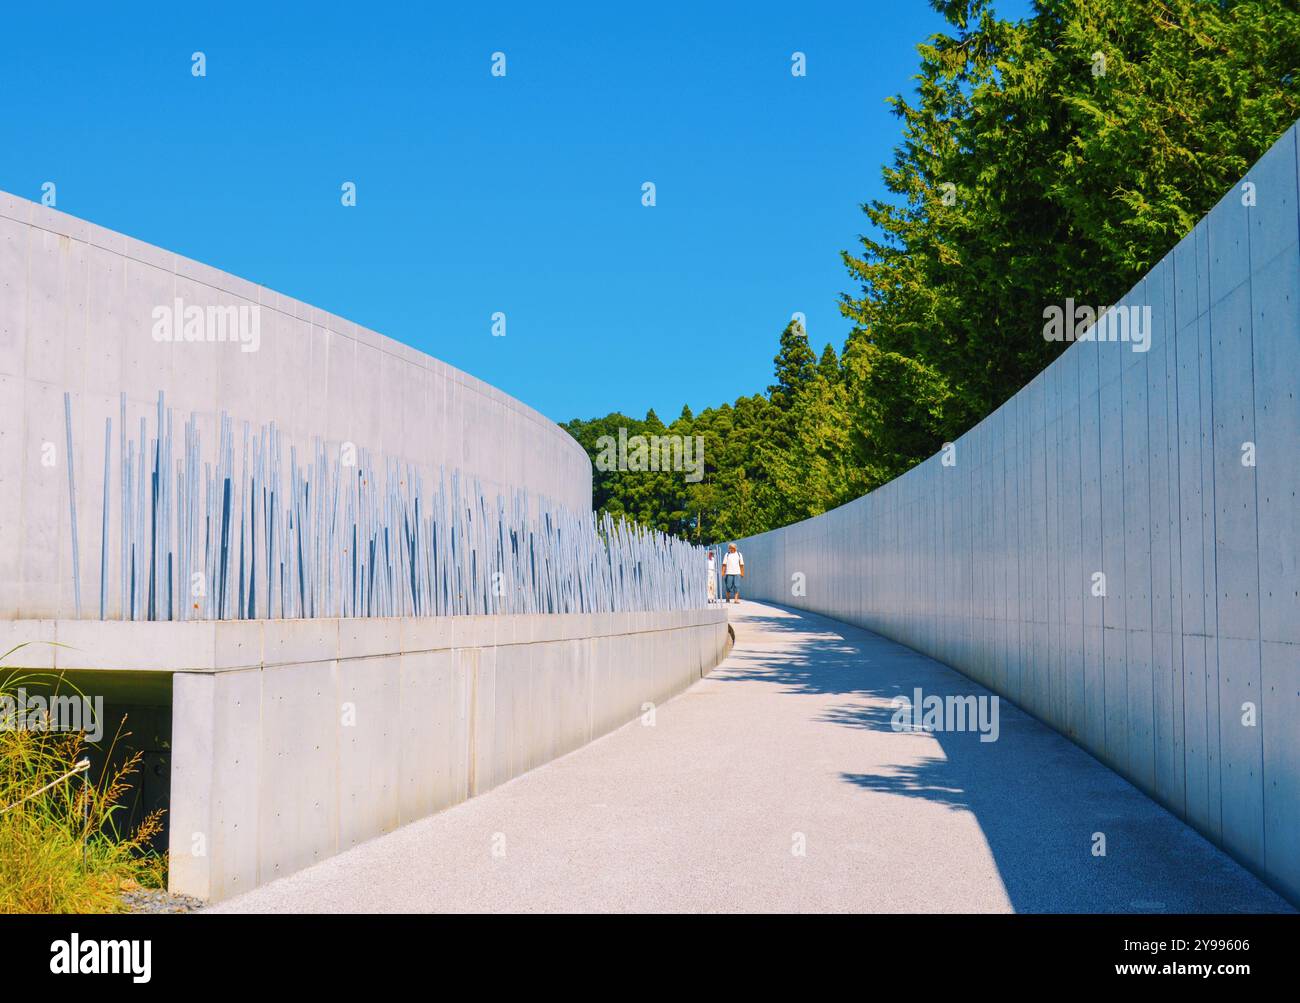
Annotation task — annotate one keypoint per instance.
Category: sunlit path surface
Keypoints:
(779, 784)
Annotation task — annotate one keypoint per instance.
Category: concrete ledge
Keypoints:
(233, 645)
(341, 730)
(295, 739)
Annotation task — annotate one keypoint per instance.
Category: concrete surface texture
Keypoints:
(1117, 548)
(79, 309)
(293, 740)
(777, 783)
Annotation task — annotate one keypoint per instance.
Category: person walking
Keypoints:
(733, 570)
(713, 579)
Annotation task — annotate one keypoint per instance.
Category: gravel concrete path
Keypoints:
(778, 784)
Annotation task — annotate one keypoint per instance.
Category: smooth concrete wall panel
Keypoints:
(1209, 597)
(1281, 765)
(484, 754)
(1113, 534)
(301, 740)
(1136, 494)
(341, 730)
(370, 757)
(1073, 594)
(1183, 676)
(77, 314)
(193, 767)
(232, 793)
(1275, 298)
(425, 720)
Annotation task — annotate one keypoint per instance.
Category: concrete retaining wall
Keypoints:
(77, 309)
(295, 739)
(1185, 676)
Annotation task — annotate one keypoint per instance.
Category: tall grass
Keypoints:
(61, 848)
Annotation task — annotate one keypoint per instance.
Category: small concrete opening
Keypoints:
(137, 717)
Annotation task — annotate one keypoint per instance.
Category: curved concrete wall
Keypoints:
(77, 313)
(1185, 676)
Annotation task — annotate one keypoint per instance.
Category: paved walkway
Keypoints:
(788, 746)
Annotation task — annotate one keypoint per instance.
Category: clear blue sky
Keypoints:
(478, 194)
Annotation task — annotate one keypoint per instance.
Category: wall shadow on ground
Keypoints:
(1037, 797)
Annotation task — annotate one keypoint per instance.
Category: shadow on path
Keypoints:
(1038, 798)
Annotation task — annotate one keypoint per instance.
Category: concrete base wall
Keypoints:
(1175, 474)
(295, 739)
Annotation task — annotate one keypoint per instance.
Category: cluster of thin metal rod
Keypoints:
(243, 535)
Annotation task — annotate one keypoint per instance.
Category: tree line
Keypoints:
(1058, 156)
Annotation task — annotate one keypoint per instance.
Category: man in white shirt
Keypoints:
(733, 570)
(713, 578)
